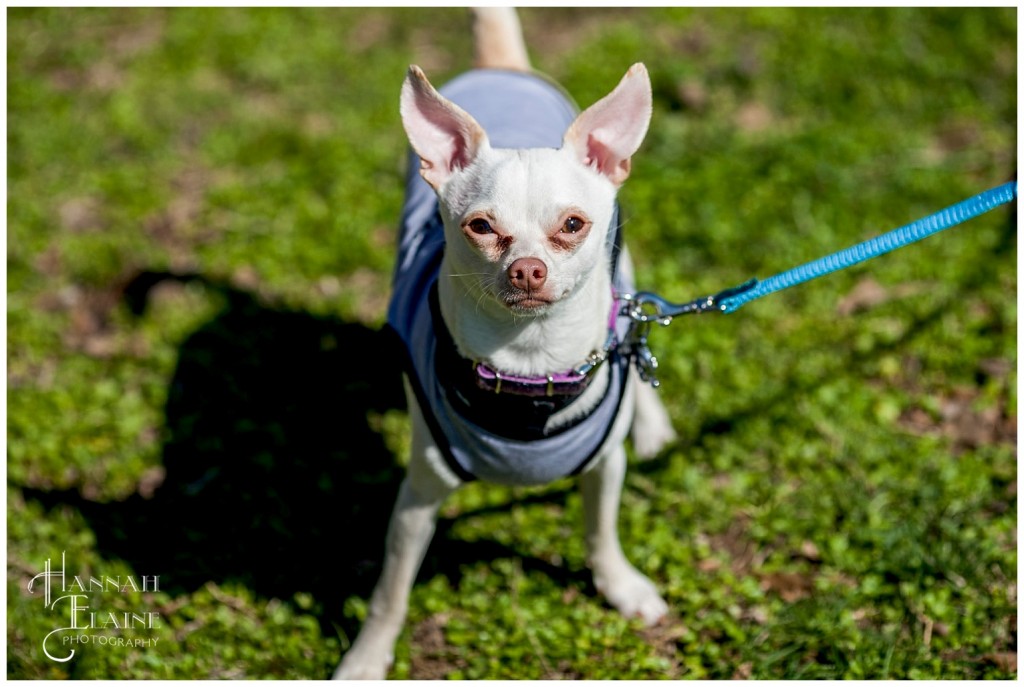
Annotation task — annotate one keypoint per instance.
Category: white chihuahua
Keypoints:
(504, 297)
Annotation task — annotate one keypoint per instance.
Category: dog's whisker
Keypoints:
(468, 274)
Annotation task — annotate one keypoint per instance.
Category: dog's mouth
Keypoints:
(526, 302)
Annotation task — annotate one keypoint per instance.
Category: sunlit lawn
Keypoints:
(842, 499)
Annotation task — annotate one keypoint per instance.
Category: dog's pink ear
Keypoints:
(444, 136)
(606, 134)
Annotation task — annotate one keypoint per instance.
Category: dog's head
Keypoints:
(525, 228)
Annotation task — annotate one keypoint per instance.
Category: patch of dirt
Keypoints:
(959, 421)
(175, 227)
(80, 215)
(122, 41)
(90, 329)
(693, 95)
(372, 28)
(151, 480)
(556, 31)
(791, 586)
(745, 555)
(695, 40)
(753, 117)
(958, 134)
(432, 657)
(868, 293)
(664, 638)
(1004, 660)
(809, 550)
(50, 262)
(743, 671)
(88, 311)
(432, 57)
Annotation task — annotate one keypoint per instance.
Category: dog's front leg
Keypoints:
(409, 534)
(622, 585)
(652, 427)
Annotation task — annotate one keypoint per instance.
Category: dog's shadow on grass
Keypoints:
(277, 474)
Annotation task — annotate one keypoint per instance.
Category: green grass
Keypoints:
(842, 499)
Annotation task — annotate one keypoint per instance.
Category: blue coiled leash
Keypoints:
(646, 308)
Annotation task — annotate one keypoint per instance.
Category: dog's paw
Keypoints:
(632, 594)
(652, 426)
(650, 438)
(363, 665)
(360, 672)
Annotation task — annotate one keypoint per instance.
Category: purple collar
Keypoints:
(571, 382)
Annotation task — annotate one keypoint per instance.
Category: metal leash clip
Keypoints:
(645, 308)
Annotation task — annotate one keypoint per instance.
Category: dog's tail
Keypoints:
(498, 39)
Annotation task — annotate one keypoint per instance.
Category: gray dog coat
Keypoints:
(494, 437)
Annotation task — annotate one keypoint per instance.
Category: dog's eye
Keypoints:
(572, 225)
(480, 226)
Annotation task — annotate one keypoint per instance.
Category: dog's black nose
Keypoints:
(527, 274)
